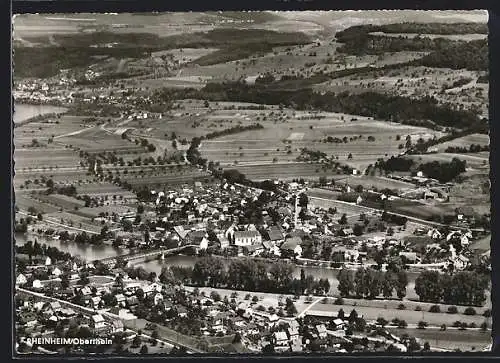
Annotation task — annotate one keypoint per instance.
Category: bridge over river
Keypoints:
(110, 261)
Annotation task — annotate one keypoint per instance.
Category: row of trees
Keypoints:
(461, 288)
(233, 130)
(249, 275)
(473, 148)
(370, 283)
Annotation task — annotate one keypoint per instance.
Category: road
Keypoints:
(309, 307)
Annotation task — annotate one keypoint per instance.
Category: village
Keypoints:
(251, 183)
(234, 221)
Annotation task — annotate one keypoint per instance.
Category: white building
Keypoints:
(247, 238)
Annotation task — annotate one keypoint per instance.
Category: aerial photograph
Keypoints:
(251, 183)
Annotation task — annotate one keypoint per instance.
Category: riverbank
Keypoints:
(24, 113)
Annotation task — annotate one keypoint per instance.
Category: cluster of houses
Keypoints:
(43, 316)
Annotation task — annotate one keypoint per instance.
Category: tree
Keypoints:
(155, 334)
(136, 342)
(343, 219)
(144, 349)
(64, 281)
(358, 229)
(291, 310)
(402, 282)
(388, 284)
(346, 283)
(49, 183)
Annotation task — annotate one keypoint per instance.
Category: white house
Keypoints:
(48, 261)
(224, 242)
(37, 284)
(247, 238)
(460, 262)
(321, 330)
(281, 342)
(98, 322)
(359, 199)
(434, 234)
(56, 272)
(158, 298)
(21, 279)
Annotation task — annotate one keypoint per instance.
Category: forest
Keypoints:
(79, 50)
(444, 53)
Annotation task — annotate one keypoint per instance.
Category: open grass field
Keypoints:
(483, 244)
(96, 139)
(462, 37)
(284, 171)
(469, 340)
(95, 211)
(102, 188)
(466, 141)
(73, 219)
(48, 159)
(23, 202)
(61, 201)
(410, 316)
(477, 160)
(350, 210)
(59, 177)
(284, 139)
(187, 178)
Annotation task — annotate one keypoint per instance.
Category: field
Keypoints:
(476, 160)
(462, 37)
(409, 315)
(103, 189)
(23, 202)
(284, 171)
(473, 340)
(72, 219)
(466, 141)
(97, 139)
(291, 133)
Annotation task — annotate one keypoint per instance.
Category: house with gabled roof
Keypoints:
(246, 238)
(21, 280)
(275, 235)
(280, 341)
(98, 323)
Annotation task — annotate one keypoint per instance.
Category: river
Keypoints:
(23, 112)
(91, 253)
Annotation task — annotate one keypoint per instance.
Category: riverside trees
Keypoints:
(370, 283)
(462, 288)
(249, 275)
